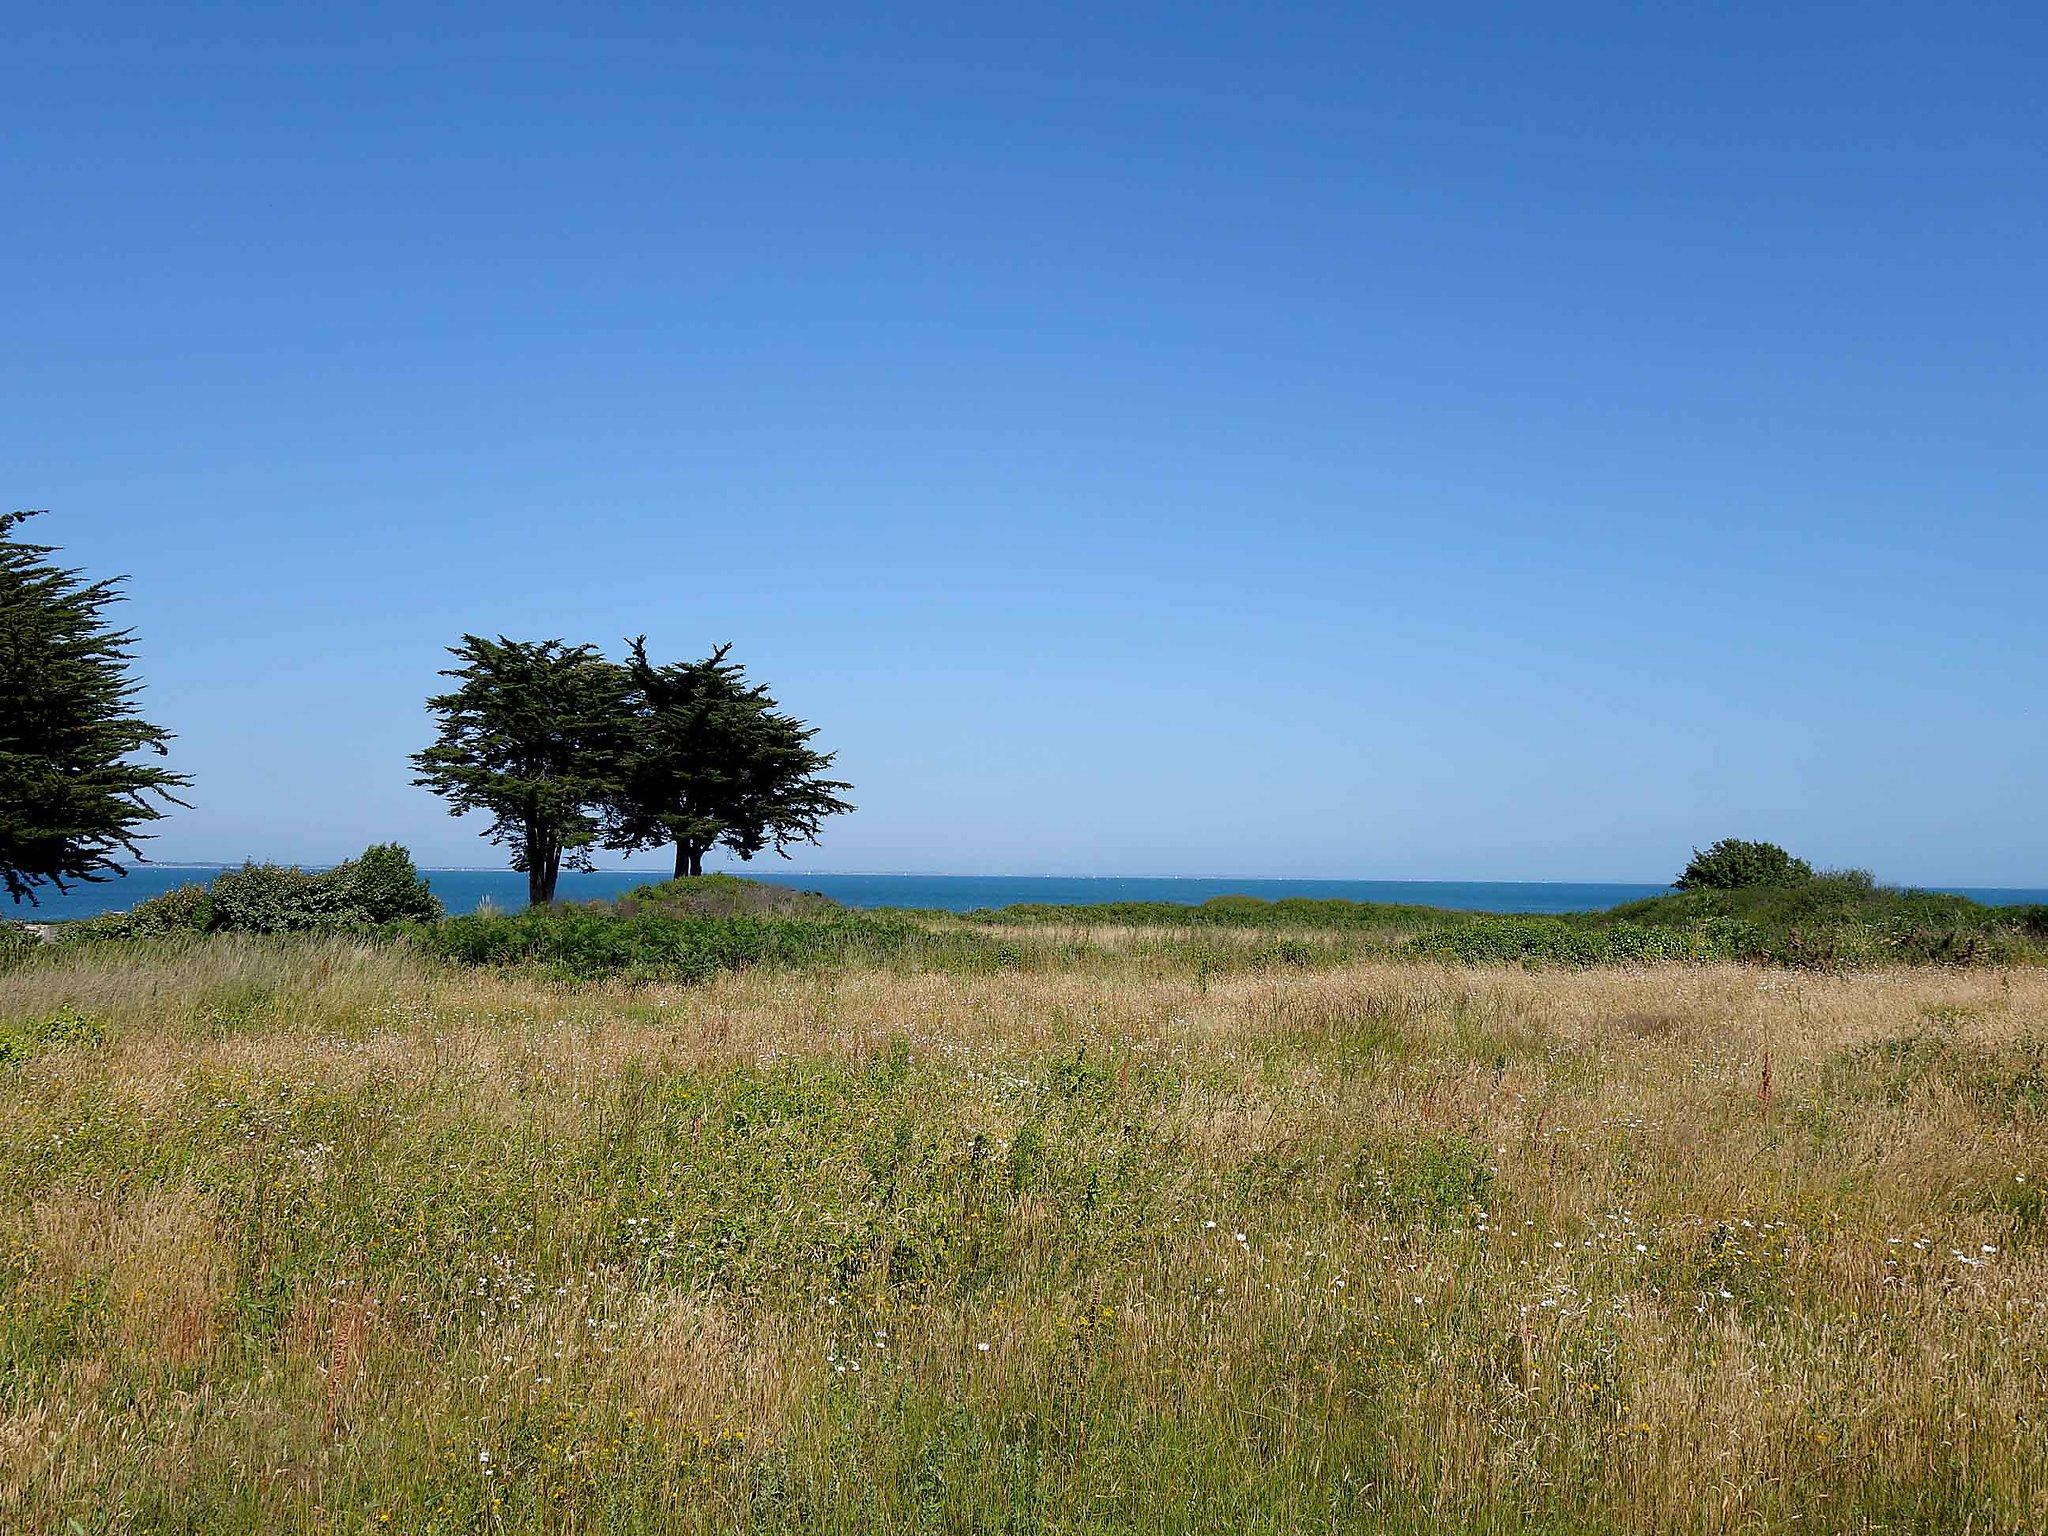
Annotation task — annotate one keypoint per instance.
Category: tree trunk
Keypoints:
(682, 860)
(689, 859)
(543, 869)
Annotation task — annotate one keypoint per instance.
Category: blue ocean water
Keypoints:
(462, 890)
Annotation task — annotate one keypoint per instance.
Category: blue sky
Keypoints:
(1450, 441)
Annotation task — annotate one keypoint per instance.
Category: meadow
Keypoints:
(1037, 1224)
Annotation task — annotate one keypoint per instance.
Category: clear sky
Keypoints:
(1425, 441)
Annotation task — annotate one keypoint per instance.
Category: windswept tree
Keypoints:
(714, 763)
(72, 795)
(533, 736)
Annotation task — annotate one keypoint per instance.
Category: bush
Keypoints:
(270, 898)
(188, 909)
(1428, 1184)
(1733, 865)
(378, 886)
(2030, 920)
(382, 885)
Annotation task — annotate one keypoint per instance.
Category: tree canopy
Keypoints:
(713, 762)
(565, 750)
(533, 735)
(1732, 864)
(72, 794)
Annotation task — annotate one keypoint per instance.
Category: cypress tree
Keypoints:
(73, 796)
(531, 735)
(714, 762)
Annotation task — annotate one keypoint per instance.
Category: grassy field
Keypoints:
(311, 1233)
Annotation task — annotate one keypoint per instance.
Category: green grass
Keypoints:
(305, 1234)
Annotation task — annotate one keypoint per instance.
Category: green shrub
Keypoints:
(381, 885)
(1556, 941)
(187, 909)
(1732, 864)
(377, 887)
(271, 898)
(2030, 920)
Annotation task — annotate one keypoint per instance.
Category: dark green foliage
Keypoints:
(726, 896)
(1843, 919)
(71, 797)
(378, 887)
(1733, 865)
(1818, 899)
(1883, 936)
(186, 910)
(691, 930)
(588, 942)
(694, 929)
(533, 736)
(383, 886)
(550, 740)
(271, 898)
(1556, 941)
(713, 763)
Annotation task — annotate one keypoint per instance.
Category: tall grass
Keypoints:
(301, 1234)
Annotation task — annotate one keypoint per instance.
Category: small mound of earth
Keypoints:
(725, 896)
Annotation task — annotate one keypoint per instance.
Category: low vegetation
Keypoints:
(377, 888)
(674, 931)
(310, 1233)
(1819, 921)
(724, 1208)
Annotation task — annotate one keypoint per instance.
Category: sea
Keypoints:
(465, 890)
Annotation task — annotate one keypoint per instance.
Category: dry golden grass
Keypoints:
(307, 1236)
